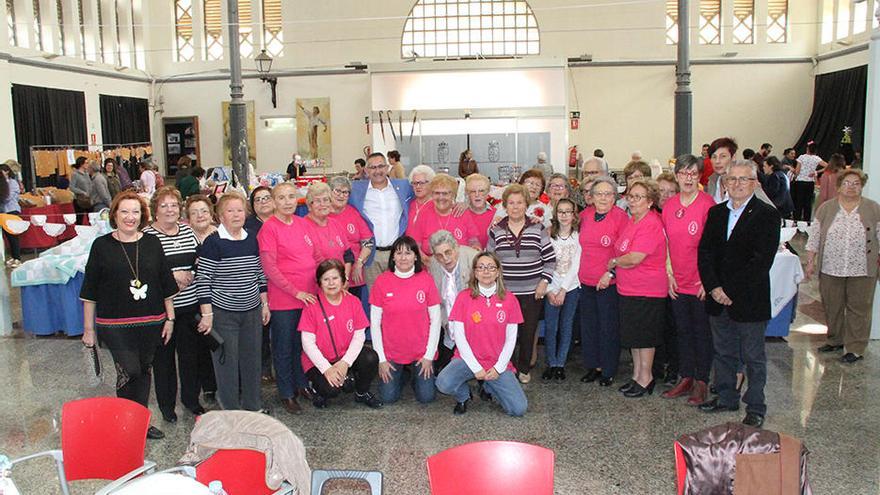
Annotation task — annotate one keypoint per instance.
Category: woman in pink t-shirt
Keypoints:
(600, 224)
(405, 323)
(420, 179)
(333, 334)
(288, 260)
(640, 268)
(325, 233)
(481, 213)
(443, 188)
(684, 217)
(357, 233)
(484, 322)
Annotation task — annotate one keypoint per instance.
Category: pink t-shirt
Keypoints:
(344, 320)
(416, 213)
(485, 324)
(356, 230)
(482, 221)
(294, 257)
(329, 241)
(684, 227)
(405, 320)
(597, 242)
(648, 278)
(462, 228)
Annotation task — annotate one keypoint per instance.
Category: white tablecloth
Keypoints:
(785, 275)
(164, 484)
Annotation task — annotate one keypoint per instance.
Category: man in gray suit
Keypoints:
(451, 269)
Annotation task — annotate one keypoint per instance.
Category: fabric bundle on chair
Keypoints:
(740, 460)
(284, 451)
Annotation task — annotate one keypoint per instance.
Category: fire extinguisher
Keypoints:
(573, 156)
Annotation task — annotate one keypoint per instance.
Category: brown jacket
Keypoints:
(869, 213)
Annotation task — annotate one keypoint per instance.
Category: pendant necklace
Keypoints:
(138, 290)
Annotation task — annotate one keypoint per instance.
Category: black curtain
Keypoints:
(839, 100)
(124, 120)
(46, 116)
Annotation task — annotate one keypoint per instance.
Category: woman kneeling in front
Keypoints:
(484, 323)
(333, 334)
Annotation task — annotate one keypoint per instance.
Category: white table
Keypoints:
(163, 484)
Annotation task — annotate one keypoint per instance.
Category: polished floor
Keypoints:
(604, 443)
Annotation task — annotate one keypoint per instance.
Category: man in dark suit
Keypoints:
(737, 249)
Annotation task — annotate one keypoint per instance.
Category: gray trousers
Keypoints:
(237, 361)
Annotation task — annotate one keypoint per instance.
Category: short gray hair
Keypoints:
(425, 170)
(604, 180)
(603, 165)
(339, 181)
(752, 166)
(442, 237)
(95, 166)
(564, 180)
(687, 161)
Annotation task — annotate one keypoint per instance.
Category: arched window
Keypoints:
(456, 28)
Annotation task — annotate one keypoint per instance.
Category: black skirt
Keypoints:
(641, 321)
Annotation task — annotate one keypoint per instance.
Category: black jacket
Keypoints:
(740, 265)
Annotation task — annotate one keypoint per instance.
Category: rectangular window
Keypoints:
(183, 30)
(842, 20)
(59, 15)
(104, 57)
(744, 21)
(38, 26)
(245, 28)
(671, 22)
(710, 22)
(273, 37)
(827, 21)
(213, 20)
(777, 21)
(137, 34)
(860, 17)
(10, 22)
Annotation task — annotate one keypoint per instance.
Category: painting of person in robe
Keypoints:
(313, 127)
(251, 124)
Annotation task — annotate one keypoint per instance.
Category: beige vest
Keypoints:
(869, 213)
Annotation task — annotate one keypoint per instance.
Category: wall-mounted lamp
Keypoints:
(264, 65)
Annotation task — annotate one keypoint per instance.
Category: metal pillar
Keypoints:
(683, 95)
(871, 151)
(237, 108)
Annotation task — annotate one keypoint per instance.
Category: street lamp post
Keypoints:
(237, 108)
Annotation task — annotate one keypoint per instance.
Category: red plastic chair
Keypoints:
(492, 467)
(101, 438)
(680, 469)
(242, 471)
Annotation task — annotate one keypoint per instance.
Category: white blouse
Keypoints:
(845, 245)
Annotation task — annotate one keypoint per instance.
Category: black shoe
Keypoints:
(484, 394)
(850, 358)
(754, 420)
(348, 384)
(713, 390)
(715, 405)
(169, 417)
(560, 373)
(639, 391)
(155, 433)
(626, 386)
(266, 411)
(460, 408)
(306, 393)
(368, 400)
(198, 410)
(830, 348)
(548, 373)
(211, 396)
(671, 378)
(319, 401)
(606, 381)
(591, 376)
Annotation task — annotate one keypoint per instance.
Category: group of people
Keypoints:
(455, 291)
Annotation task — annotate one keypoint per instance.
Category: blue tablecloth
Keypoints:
(778, 326)
(50, 308)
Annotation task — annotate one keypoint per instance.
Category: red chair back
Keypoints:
(492, 467)
(680, 469)
(242, 471)
(103, 437)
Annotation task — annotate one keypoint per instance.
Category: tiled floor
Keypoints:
(604, 443)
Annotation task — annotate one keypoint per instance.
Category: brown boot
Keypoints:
(698, 393)
(683, 388)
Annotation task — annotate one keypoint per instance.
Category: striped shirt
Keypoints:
(230, 276)
(525, 259)
(180, 252)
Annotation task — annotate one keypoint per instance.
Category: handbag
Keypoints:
(348, 383)
(83, 201)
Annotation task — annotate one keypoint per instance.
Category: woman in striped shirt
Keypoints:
(231, 284)
(528, 261)
(179, 244)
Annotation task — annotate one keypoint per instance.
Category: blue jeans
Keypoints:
(740, 342)
(558, 321)
(286, 352)
(600, 339)
(453, 380)
(423, 388)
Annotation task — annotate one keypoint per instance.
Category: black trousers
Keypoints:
(802, 197)
(525, 338)
(195, 368)
(666, 357)
(14, 242)
(267, 351)
(132, 350)
(444, 354)
(363, 370)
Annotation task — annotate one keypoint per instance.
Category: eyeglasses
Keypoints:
(635, 198)
(420, 182)
(263, 199)
(200, 211)
(440, 192)
(851, 183)
(342, 192)
(602, 193)
(169, 206)
(557, 186)
(591, 172)
(742, 180)
(486, 268)
(375, 167)
(477, 191)
(688, 175)
(565, 212)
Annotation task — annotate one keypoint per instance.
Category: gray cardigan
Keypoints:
(80, 183)
(100, 191)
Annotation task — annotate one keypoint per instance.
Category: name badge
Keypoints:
(331, 317)
(498, 305)
(389, 294)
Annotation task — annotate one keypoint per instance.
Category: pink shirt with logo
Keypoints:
(344, 320)
(405, 320)
(482, 221)
(597, 242)
(356, 230)
(684, 227)
(462, 228)
(648, 278)
(485, 324)
(329, 240)
(417, 212)
(294, 261)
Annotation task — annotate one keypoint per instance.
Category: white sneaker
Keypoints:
(14, 263)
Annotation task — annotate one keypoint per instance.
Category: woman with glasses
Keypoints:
(639, 264)
(558, 188)
(443, 189)
(594, 167)
(484, 321)
(326, 235)
(262, 208)
(633, 171)
(842, 249)
(684, 217)
(479, 210)
(357, 233)
(600, 225)
(422, 203)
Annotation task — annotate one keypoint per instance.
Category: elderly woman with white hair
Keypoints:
(326, 234)
(451, 271)
(479, 210)
(420, 179)
(358, 235)
(443, 189)
(594, 167)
